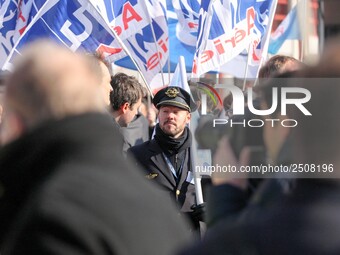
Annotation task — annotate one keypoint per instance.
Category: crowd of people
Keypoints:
(86, 168)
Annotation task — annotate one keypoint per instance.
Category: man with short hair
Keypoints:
(166, 158)
(126, 98)
(64, 186)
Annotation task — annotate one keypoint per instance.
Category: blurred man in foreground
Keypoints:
(102, 69)
(64, 186)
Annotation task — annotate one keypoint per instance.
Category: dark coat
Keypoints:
(137, 132)
(66, 190)
(149, 155)
(305, 222)
(227, 201)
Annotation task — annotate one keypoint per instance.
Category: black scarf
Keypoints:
(174, 148)
(170, 145)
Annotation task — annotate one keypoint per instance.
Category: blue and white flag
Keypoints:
(142, 26)
(182, 23)
(183, 18)
(289, 29)
(88, 25)
(187, 14)
(76, 24)
(228, 28)
(8, 18)
(15, 15)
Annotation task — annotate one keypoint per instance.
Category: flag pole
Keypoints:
(133, 61)
(266, 46)
(183, 69)
(203, 40)
(157, 49)
(193, 149)
(321, 17)
(247, 67)
(169, 64)
(306, 27)
(302, 17)
(119, 40)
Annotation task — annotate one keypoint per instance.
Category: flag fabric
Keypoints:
(15, 15)
(89, 25)
(183, 18)
(75, 24)
(133, 21)
(187, 12)
(288, 30)
(228, 28)
(179, 78)
(182, 23)
(238, 65)
(128, 17)
(176, 78)
(8, 18)
(142, 26)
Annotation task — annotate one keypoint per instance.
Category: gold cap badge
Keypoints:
(151, 176)
(171, 92)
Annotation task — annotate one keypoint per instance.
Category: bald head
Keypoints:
(101, 68)
(48, 82)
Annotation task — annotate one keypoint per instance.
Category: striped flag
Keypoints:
(75, 24)
(142, 26)
(228, 28)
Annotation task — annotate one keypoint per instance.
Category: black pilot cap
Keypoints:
(174, 96)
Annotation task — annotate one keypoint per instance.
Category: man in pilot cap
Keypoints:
(166, 158)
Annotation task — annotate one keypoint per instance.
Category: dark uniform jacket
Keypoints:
(64, 189)
(150, 156)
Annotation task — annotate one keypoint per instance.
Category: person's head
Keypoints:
(281, 67)
(48, 82)
(101, 68)
(125, 98)
(175, 106)
(274, 134)
(279, 64)
(316, 137)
